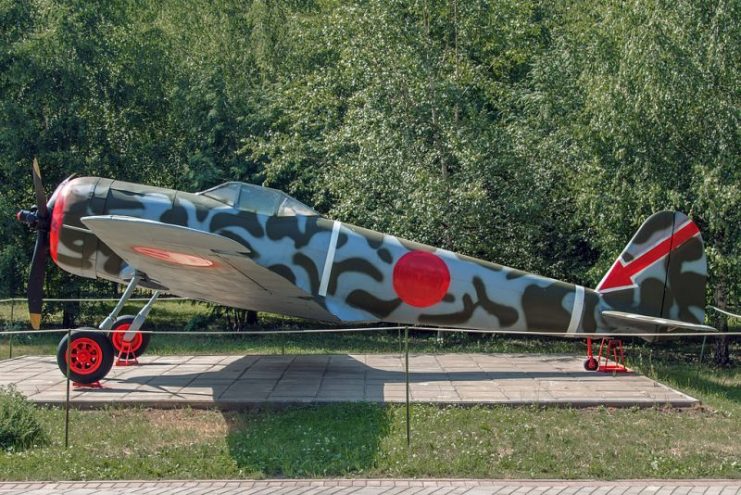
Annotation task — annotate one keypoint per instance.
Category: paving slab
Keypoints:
(234, 382)
(379, 487)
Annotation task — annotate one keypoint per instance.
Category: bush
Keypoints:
(198, 323)
(19, 425)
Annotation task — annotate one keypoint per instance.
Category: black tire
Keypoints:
(591, 364)
(92, 356)
(142, 338)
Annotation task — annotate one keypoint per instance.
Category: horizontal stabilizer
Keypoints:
(643, 322)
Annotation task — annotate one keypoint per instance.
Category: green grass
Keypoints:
(167, 314)
(369, 440)
(485, 442)
(718, 388)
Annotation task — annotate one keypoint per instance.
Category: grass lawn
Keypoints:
(368, 440)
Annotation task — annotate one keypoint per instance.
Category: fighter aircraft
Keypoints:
(252, 247)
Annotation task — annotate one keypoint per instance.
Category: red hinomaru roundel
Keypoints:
(421, 279)
(173, 257)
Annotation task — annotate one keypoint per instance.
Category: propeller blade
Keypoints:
(36, 279)
(38, 187)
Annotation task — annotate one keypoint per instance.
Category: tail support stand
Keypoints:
(611, 348)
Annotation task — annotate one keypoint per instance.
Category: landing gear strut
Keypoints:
(128, 342)
(92, 353)
(591, 363)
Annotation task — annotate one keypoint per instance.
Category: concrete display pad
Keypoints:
(236, 382)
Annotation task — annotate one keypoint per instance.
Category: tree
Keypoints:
(635, 104)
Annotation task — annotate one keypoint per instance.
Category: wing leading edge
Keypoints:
(202, 265)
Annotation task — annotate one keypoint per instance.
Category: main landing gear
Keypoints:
(92, 354)
(131, 349)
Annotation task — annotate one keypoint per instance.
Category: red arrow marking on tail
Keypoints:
(621, 275)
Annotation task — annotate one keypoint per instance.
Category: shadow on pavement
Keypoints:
(302, 379)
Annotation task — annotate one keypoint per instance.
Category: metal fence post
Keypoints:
(66, 402)
(12, 326)
(406, 374)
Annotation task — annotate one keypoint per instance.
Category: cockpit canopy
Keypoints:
(258, 199)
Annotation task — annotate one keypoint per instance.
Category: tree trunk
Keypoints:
(722, 344)
(723, 348)
(70, 310)
(252, 317)
(238, 319)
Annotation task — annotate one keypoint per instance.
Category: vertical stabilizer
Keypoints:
(661, 272)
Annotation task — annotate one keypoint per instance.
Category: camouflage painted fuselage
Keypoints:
(358, 275)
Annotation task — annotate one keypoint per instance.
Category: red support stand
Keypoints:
(611, 349)
(87, 385)
(126, 356)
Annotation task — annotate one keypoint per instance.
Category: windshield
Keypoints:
(257, 199)
(226, 193)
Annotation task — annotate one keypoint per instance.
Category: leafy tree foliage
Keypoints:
(535, 134)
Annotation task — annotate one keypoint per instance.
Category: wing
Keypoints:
(201, 265)
(643, 322)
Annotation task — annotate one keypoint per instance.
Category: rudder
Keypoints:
(661, 272)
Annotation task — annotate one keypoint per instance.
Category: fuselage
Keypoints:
(357, 274)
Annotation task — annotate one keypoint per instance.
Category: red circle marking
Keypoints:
(85, 356)
(173, 257)
(57, 218)
(421, 279)
(120, 344)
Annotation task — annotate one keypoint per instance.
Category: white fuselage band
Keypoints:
(576, 311)
(329, 261)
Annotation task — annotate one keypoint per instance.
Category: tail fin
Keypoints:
(661, 272)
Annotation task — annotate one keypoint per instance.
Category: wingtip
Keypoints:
(35, 320)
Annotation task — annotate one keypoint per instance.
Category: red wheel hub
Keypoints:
(85, 356)
(120, 344)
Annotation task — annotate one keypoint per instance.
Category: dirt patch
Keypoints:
(201, 425)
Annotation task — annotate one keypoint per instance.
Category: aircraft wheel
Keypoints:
(139, 343)
(591, 364)
(90, 357)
